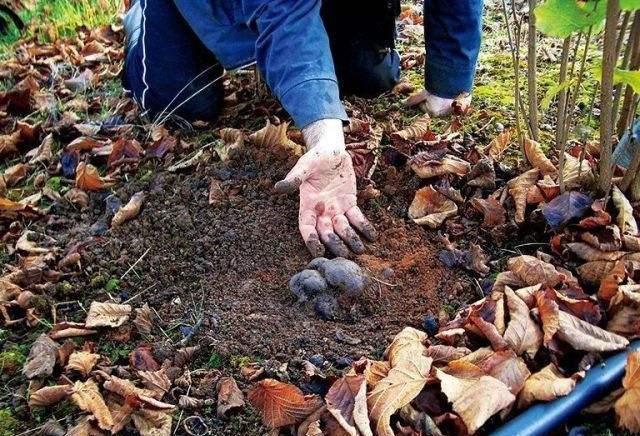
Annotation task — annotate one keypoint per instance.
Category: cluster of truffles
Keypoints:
(323, 279)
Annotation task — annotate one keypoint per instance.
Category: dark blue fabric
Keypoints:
(452, 32)
(287, 40)
(179, 74)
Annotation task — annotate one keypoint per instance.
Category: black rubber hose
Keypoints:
(541, 419)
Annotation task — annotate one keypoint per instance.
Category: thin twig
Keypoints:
(135, 263)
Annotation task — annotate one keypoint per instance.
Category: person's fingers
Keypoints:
(360, 222)
(330, 239)
(307, 225)
(293, 180)
(348, 235)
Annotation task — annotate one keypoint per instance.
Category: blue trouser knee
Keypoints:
(168, 69)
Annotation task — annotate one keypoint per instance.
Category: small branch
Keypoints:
(531, 72)
(562, 95)
(135, 263)
(515, 59)
(634, 64)
(606, 95)
(631, 173)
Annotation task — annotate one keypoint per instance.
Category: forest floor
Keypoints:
(221, 271)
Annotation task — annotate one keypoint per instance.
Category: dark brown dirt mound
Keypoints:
(235, 259)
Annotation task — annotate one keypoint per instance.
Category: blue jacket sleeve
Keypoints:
(292, 52)
(452, 31)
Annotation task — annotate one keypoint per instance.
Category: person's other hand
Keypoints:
(324, 175)
(437, 106)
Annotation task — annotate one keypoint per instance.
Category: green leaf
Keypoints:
(629, 5)
(627, 77)
(553, 91)
(561, 18)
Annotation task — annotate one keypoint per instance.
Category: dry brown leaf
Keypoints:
(229, 396)
(42, 153)
(141, 358)
(406, 344)
(498, 145)
(281, 404)
(429, 207)
(84, 143)
(9, 143)
(531, 271)
(271, 136)
(374, 370)
(87, 397)
(549, 315)
(519, 188)
(594, 272)
(416, 131)
(347, 402)
(107, 314)
(537, 158)
(42, 357)
(185, 355)
(77, 196)
(545, 385)
(49, 395)
(625, 219)
(611, 280)
(425, 166)
(129, 210)
(482, 175)
(82, 361)
(88, 178)
(156, 381)
(604, 239)
(522, 334)
(626, 321)
(142, 321)
(506, 367)
(14, 174)
(443, 354)
(586, 252)
(232, 142)
(574, 174)
(587, 337)
(476, 399)
(403, 383)
(494, 213)
(152, 422)
(626, 407)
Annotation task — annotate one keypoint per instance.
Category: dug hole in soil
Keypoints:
(231, 262)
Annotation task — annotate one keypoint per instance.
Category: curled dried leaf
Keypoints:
(498, 145)
(531, 271)
(107, 314)
(494, 213)
(399, 388)
(519, 188)
(425, 166)
(625, 219)
(230, 397)
(537, 158)
(88, 398)
(416, 131)
(49, 395)
(545, 385)
(431, 208)
(280, 403)
(626, 406)
(409, 342)
(82, 361)
(88, 178)
(129, 210)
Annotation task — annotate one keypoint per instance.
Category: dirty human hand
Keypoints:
(437, 106)
(324, 175)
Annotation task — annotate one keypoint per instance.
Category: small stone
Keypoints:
(307, 283)
(388, 273)
(99, 228)
(113, 204)
(343, 362)
(344, 275)
(317, 360)
(430, 325)
(325, 306)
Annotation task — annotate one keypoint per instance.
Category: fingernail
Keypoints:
(315, 247)
(369, 232)
(336, 246)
